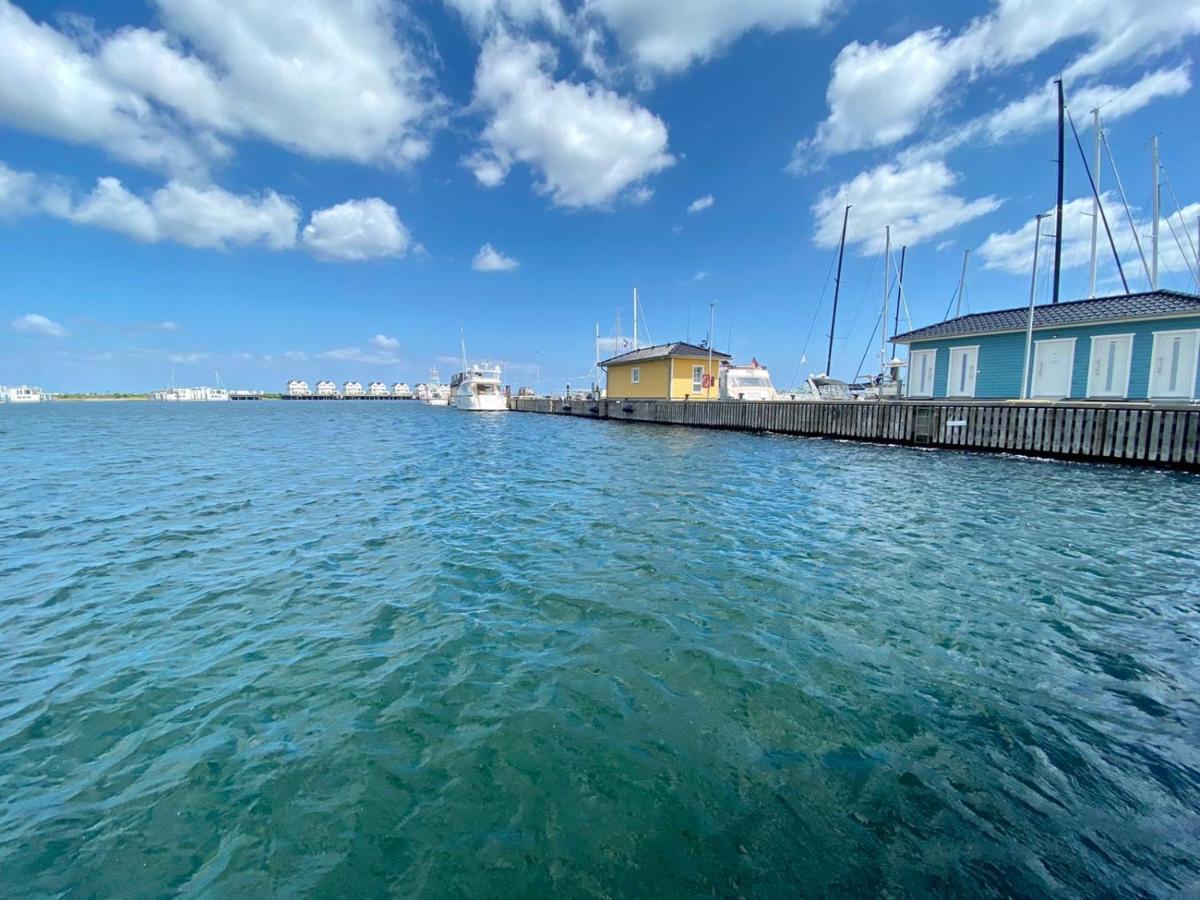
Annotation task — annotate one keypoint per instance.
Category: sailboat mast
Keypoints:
(887, 259)
(1095, 203)
(899, 297)
(635, 318)
(1125, 202)
(1032, 296)
(837, 289)
(962, 285)
(1058, 207)
(462, 342)
(1154, 200)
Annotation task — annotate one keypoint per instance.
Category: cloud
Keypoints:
(168, 326)
(588, 144)
(295, 355)
(699, 276)
(668, 36)
(32, 323)
(16, 191)
(187, 358)
(700, 204)
(917, 201)
(640, 196)
(356, 230)
(357, 354)
(1012, 251)
(483, 15)
(322, 78)
(383, 342)
(489, 259)
(206, 217)
(879, 94)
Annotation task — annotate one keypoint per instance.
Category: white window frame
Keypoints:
(932, 372)
(1037, 346)
(1124, 395)
(1195, 363)
(950, 372)
(635, 375)
(697, 382)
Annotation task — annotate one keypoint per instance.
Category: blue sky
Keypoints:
(327, 189)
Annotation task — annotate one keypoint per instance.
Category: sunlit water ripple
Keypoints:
(359, 648)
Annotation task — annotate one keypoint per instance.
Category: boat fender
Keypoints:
(628, 407)
(594, 409)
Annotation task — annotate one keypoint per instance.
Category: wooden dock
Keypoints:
(1131, 433)
(343, 397)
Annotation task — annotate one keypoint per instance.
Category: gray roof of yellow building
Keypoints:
(663, 351)
(1146, 305)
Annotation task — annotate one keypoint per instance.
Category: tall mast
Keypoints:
(1032, 296)
(887, 258)
(1154, 198)
(1095, 202)
(899, 297)
(462, 342)
(1058, 207)
(1125, 202)
(962, 285)
(635, 318)
(837, 288)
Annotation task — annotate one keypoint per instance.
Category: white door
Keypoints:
(920, 372)
(963, 361)
(1052, 361)
(1173, 365)
(1108, 376)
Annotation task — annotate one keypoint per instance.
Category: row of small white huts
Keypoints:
(297, 388)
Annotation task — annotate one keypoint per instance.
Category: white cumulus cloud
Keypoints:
(918, 201)
(196, 216)
(383, 342)
(319, 77)
(32, 323)
(16, 191)
(700, 204)
(489, 259)
(356, 230)
(587, 143)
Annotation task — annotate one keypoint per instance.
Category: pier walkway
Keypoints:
(1131, 433)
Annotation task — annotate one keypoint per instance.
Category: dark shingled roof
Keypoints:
(1147, 305)
(663, 351)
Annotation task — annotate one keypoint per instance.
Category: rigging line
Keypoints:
(1099, 203)
(867, 286)
(813, 323)
(1186, 231)
(1182, 252)
(1132, 225)
(870, 344)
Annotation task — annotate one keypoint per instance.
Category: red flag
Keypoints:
(754, 363)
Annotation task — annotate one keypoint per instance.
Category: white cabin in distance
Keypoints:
(377, 389)
(297, 388)
(352, 389)
(327, 389)
(401, 389)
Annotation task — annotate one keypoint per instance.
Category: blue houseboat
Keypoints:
(1128, 347)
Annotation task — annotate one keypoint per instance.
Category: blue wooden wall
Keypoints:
(1002, 356)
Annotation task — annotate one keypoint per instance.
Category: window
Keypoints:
(697, 379)
(635, 375)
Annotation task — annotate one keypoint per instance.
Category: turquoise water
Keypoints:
(356, 649)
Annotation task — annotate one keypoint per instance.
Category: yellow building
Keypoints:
(665, 372)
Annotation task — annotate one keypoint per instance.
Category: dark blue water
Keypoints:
(351, 649)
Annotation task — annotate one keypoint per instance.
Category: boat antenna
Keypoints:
(1125, 201)
(1032, 296)
(899, 295)
(837, 289)
(1096, 198)
(462, 342)
(1095, 201)
(1058, 207)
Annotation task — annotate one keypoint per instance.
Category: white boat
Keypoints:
(477, 388)
(24, 394)
(752, 382)
(434, 393)
(193, 394)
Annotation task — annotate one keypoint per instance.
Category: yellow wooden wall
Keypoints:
(660, 379)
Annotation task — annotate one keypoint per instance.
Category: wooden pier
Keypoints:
(343, 397)
(1131, 433)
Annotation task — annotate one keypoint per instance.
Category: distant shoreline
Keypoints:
(97, 398)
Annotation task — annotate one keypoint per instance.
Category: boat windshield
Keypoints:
(758, 381)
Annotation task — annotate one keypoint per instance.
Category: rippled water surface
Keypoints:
(353, 649)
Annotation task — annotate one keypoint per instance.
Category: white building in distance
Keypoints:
(352, 389)
(297, 388)
(326, 389)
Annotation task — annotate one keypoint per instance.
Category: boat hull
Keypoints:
(480, 402)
